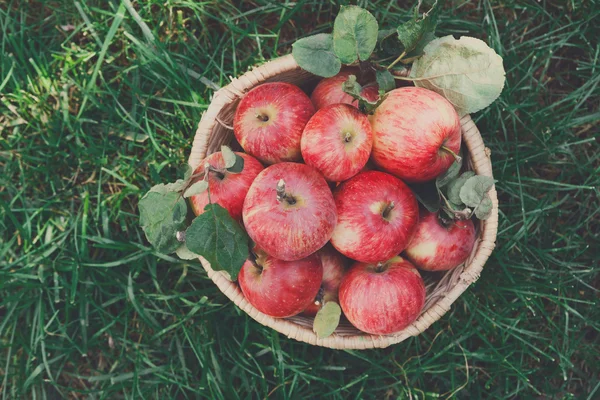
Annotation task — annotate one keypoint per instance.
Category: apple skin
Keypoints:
(269, 120)
(281, 288)
(329, 90)
(337, 141)
(296, 226)
(409, 129)
(333, 270)
(229, 191)
(435, 247)
(363, 233)
(382, 299)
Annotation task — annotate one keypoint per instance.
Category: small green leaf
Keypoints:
(219, 239)
(187, 172)
(385, 80)
(467, 72)
(315, 55)
(484, 209)
(474, 189)
(428, 195)
(389, 43)
(453, 188)
(196, 188)
(162, 214)
(238, 165)
(185, 254)
(327, 319)
(354, 34)
(418, 50)
(228, 156)
(413, 32)
(450, 174)
(353, 88)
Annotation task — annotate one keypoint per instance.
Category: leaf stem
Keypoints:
(456, 156)
(397, 60)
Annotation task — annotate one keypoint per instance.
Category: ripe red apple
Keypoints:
(333, 271)
(289, 211)
(415, 133)
(281, 288)
(437, 246)
(337, 141)
(329, 90)
(377, 214)
(382, 298)
(226, 189)
(269, 120)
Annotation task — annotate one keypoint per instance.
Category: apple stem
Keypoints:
(388, 209)
(180, 235)
(379, 267)
(347, 137)
(456, 156)
(282, 195)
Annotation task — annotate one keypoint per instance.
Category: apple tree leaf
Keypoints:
(196, 188)
(162, 214)
(315, 54)
(428, 195)
(185, 254)
(327, 319)
(453, 188)
(220, 239)
(228, 156)
(484, 209)
(354, 34)
(450, 174)
(238, 165)
(385, 80)
(475, 189)
(467, 72)
(418, 31)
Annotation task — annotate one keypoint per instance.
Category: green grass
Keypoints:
(96, 107)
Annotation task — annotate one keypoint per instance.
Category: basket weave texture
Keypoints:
(443, 289)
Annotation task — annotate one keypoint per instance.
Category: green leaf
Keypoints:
(228, 156)
(162, 214)
(315, 54)
(418, 50)
(484, 209)
(450, 174)
(218, 238)
(475, 189)
(385, 80)
(353, 88)
(238, 165)
(389, 42)
(327, 319)
(455, 186)
(354, 34)
(428, 195)
(187, 172)
(419, 29)
(468, 73)
(196, 188)
(185, 254)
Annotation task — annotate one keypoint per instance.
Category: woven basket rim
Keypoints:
(480, 160)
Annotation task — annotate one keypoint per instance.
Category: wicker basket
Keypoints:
(442, 290)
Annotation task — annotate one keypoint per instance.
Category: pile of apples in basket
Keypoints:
(339, 199)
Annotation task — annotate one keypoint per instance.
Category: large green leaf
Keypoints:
(162, 214)
(354, 34)
(315, 54)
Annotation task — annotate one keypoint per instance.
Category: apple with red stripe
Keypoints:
(280, 288)
(269, 121)
(377, 214)
(337, 141)
(382, 298)
(333, 271)
(329, 91)
(439, 245)
(289, 211)
(416, 134)
(226, 188)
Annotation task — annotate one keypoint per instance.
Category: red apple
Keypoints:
(377, 214)
(382, 298)
(337, 141)
(269, 120)
(333, 271)
(281, 288)
(289, 211)
(439, 246)
(415, 133)
(226, 189)
(329, 90)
